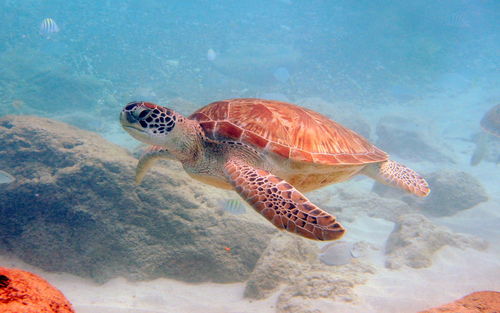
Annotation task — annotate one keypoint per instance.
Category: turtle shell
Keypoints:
(287, 130)
(491, 121)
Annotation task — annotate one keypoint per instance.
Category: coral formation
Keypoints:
(25, 292)
(451, 192)
(74, 196)
(291, 262)
(476, 302)
(415, 239)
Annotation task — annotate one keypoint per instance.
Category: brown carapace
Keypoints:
(288, 130)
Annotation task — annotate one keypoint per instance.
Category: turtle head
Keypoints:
(150, 123)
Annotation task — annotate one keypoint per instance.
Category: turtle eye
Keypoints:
(136, 114)
(131, 106)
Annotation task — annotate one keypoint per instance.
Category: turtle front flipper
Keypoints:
(281, 203)
(148, 159)
(395, 174)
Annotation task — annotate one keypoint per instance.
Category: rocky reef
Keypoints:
(451, 192)
(291, 263)
(74, 208)
(415, 239)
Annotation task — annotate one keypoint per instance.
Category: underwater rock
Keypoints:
(476, 302)
(25, 292)
(415, 239)
(348, 205)
(284, 259)
(74, 208)
(407, 138)
(451, 192)
(293, 263)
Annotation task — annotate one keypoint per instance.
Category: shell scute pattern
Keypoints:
(286, 130)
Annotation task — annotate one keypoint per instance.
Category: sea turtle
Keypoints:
(490, 124)
(269, 152)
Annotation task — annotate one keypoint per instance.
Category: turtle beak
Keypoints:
(127, 119)
(129, 116)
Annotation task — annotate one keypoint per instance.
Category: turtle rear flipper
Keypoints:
(281, 203)
(397, 175)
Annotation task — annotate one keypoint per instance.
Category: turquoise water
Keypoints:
(415, 78)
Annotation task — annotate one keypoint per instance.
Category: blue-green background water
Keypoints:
(365, 52)
(435, 64)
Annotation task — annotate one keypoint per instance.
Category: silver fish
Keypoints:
(6, 178)
(339, 253)
(211, 55)
(48, 27)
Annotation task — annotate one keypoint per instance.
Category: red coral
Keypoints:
(477, 302)
(22, 291)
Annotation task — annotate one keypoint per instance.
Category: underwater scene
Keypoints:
(275, 156)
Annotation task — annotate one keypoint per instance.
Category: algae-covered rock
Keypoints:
(291, 263)
(283, 261)
(74, 208)
(451, 192)
(348, 205)
(415, 239)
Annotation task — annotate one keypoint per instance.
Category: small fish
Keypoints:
(6, 178)
(339, 253)
(211, 55)
(233, 206)
(172, 62)
(458, 20)
(48, 27)
(227, 249)
(281, 74)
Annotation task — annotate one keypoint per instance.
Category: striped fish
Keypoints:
(48, 27)
(233, 206)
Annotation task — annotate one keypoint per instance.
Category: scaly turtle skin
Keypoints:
(490, 124)
(267, 151)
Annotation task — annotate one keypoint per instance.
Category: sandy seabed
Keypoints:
(454, 273)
